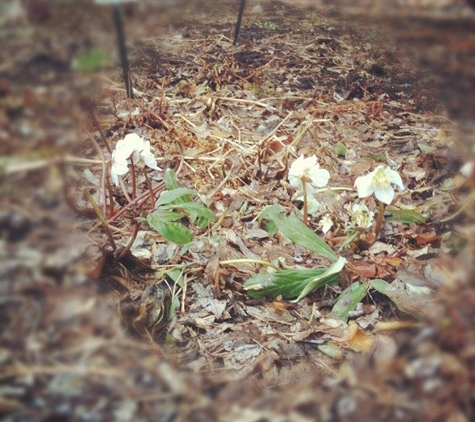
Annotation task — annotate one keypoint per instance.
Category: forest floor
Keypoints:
(147, 301)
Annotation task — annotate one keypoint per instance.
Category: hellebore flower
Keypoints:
(379, 182)
(308, 170)
(361, 216)
(132, 149)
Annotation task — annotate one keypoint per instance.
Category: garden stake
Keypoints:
(122, 49)
(238, 23)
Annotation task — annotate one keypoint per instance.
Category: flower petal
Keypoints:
(364, 186)
(319, 177)
(134, 141)
(395, 178)
(147, 157)
(385, 195)
(297, 168)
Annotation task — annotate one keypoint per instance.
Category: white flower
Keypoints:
(131, 149)
(379, 182)
(361, 216)
(467, 169)
(309, 171)
(326, 223)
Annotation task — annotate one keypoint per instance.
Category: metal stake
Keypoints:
(122, 49)
(238, 23)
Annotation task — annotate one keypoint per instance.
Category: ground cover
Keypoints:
(173, 322)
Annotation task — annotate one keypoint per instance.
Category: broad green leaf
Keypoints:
(269, 212)
(162, 216)
(294, 283)
(171, 183)
(291, 227)
(204, 221)
(406, 216)
(171, 196)
(174, 232)
(348, 300)
(194, 210)
(170, 180)
(270, 228)
(334, 269)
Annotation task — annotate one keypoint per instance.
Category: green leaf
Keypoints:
(195, 210)
(332, 350)
(270, 228)
(291, 227)
(348, 300)
(406, 216)
(161, 216)
(170, 180)
(90, 61)
(174, 232)
(269, 212)
(350, 238)
(174, 305)
(176, 276)
(293, 283)
(426, 148)
(379, 157)
(340, 148)
(171, 196)
(379, 285)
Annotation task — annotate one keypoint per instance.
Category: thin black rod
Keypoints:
(122, 49)
(238, 23)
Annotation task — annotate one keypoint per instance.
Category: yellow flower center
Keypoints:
(362, 219)
(381, 180)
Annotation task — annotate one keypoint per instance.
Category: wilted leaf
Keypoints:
(408, 298)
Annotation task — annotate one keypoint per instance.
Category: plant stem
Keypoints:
(101, 218)
(305, 204)
(150, 189)
(134, 182)
(379, 220)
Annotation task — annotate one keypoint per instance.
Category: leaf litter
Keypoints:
(229, 123)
